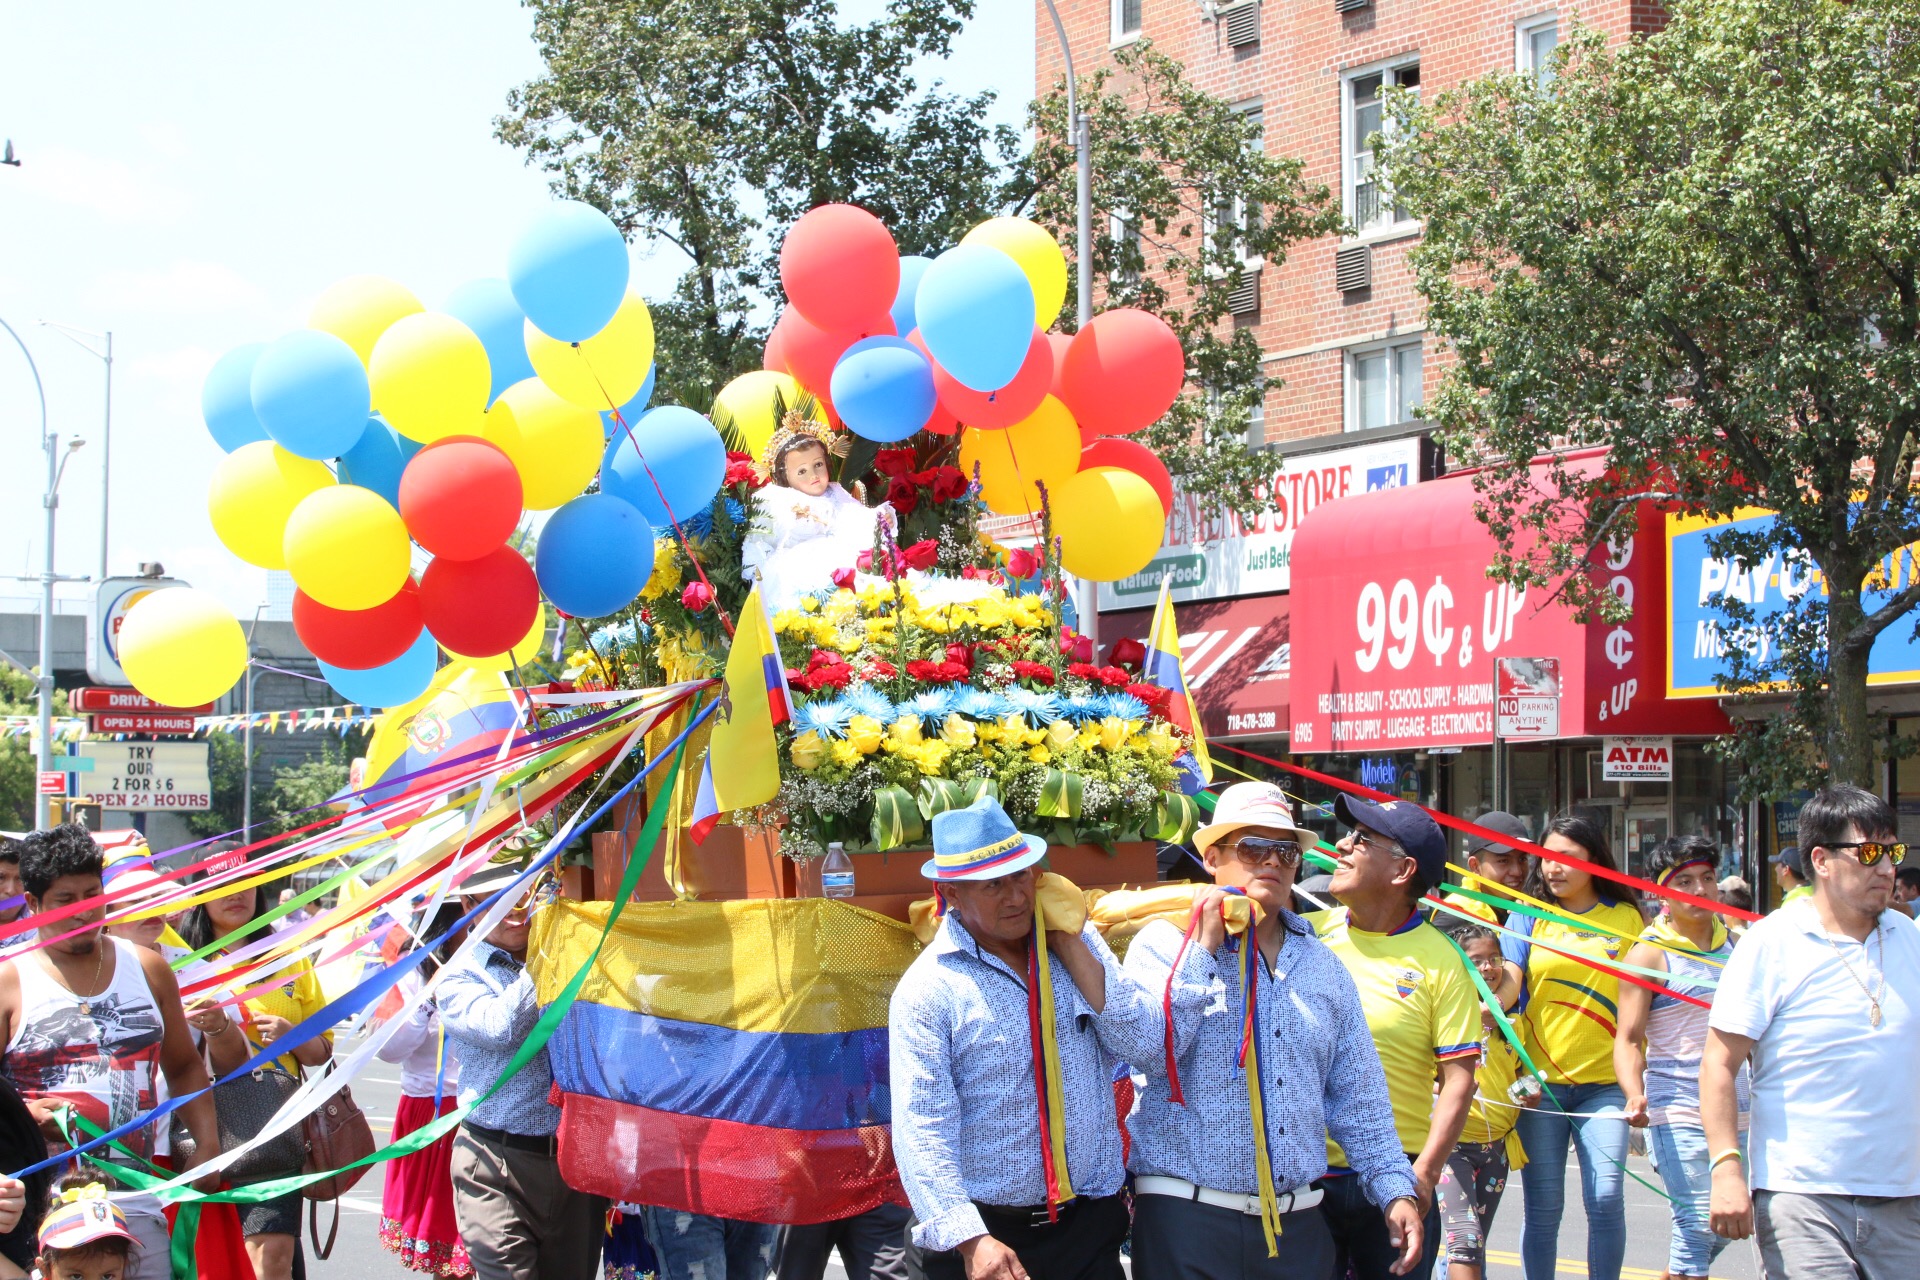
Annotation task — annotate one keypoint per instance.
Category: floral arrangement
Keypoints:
(908, 702)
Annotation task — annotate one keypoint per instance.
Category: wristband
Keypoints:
(1731, 1153)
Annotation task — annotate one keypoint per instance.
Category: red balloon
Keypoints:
(359, 639)
(480, 607)
(840, 267)
(460, 497)
(1059, 342)
(993, 410)
(1122, 371)
(1130, 455)
(773, 356)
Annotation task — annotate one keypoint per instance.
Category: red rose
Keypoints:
(936, 672)
(1127, 652)
(961, 654)
(1022, 563)
(1075, 645)
(1113, 677)
(948, 483)
(743, 473)
(1036, 671)
(921, 555)
(902, 496)
(864, 562)
(844, 578)
(1158, 700)
(696, 596)
(894, 463)
(822, 658)
(800, 680)
(1084, 670)
(836, 675)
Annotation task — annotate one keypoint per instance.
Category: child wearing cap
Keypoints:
(84, 1235)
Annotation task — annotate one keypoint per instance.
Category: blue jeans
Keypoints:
(1681, 1152)
(1546, 1133)
(698, 1246)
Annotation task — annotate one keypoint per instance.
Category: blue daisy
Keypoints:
(1038, 708)
(932, 706)
(612, 639)
(828, 719)
(1082, 707)
(865, 700)
(979, 704)
(1123, 705)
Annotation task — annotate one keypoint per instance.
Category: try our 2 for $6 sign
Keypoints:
(148, 776)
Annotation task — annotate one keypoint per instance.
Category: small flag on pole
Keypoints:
(742, 768)
(1163, 668)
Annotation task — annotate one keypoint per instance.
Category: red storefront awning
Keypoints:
(1236, 654)
(1400, 626)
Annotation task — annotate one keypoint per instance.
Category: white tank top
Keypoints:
(100, 1053)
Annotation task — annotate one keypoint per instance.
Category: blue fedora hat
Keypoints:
(980, 842)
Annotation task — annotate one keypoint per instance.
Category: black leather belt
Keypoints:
(1027, 1215)
(545, 1144)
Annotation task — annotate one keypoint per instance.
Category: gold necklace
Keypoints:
(1873, 999)
(100, 962)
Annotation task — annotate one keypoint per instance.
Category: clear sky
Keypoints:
(192, 175)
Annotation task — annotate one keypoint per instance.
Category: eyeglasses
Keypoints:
(1364, 839)
(1257, 850)
(1871, 851)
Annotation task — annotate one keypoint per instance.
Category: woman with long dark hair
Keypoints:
(22, 1144)
(1569, 1009)
(271, 1227)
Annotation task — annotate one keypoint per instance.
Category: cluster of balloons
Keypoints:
(386, 455)
(890, 346)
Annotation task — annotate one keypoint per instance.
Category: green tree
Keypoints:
(19, 770)
(1702, 250)
(1184, 194)
(708, 127)
(290, 801)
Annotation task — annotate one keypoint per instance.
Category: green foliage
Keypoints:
(1175, 163)
(19, 696)
(1702, 250)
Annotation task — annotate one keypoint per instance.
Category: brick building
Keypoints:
(1342, 329)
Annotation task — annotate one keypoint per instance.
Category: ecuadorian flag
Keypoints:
(743, 761)
(727, 1058)
(1162, 667)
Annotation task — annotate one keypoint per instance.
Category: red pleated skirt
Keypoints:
(416, 1209)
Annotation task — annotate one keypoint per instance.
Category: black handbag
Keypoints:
(244, 1107)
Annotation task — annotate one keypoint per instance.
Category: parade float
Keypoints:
(814, 612)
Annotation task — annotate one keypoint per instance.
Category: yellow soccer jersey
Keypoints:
(1570, 1007)
(1419, 1004)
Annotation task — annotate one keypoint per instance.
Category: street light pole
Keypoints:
(246, 734)
(105, 353)
(43, 679)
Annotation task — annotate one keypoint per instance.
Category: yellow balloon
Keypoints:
(522, 653)
(347, 547)
(1109, 523)
(750, 402)
(254, 489)
(1030, 245)
(430, 377)
(182, 647)
(1044, 446)
(555, 445)
(606, 370)
(359, 309)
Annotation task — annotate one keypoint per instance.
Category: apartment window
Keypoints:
(1257, 419)
(1126, 19)
(1383, 385)
(1370, 206)
(1237, 213)
(1534, 42)
(1127, 248)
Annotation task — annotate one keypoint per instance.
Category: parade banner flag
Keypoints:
(1162, 667)
(727, 1058)
(743, 760)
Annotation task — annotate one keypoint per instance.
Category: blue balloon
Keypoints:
(487, 307)
(226, 398)
(631, 411)
(680, 457)
(883, 389)
(568, 271)
(391, 683)
(594, 555)
(975, 310)
(912, 267)
(310, 393)
(377, 461)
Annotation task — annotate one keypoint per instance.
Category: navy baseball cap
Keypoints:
(1406, 824)
(1790, 858)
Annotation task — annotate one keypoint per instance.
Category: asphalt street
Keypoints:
(358, 1255)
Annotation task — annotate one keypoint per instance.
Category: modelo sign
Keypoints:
(105, 612)
(1210, 556)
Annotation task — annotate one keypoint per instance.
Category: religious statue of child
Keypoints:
(805, 527)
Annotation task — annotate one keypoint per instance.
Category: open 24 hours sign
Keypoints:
(148, 777)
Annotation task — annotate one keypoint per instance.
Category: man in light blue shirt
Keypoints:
(519, 1219)
(1197, 1204)
(969, 1133)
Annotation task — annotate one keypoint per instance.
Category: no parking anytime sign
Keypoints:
(148, 776)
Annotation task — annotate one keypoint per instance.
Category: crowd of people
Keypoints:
(1343, 1088)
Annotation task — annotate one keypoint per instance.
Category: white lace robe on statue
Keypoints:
(796, 542)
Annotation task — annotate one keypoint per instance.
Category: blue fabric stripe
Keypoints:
(780, 1079)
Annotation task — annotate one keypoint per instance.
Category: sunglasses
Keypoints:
(1256, 850)
(1871, 851)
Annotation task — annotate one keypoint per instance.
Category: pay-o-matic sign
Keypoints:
(1215, 557)
(1699, 583)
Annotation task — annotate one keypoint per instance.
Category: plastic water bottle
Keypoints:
(836, 872)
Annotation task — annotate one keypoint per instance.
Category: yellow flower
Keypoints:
(809, 604)
(987, 731)
(845, 754)
(957, 731)
(864, 733)
(1013, 729)
(666, 571)
(1088, 737)
(1160, 741)
(931, 757)
(936, 621)
(808, 750)
(790, 620)
(844, 643)
(905, 731)
(879, 628)
(1039, 755)
(1114, 733)
(1060, 735)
